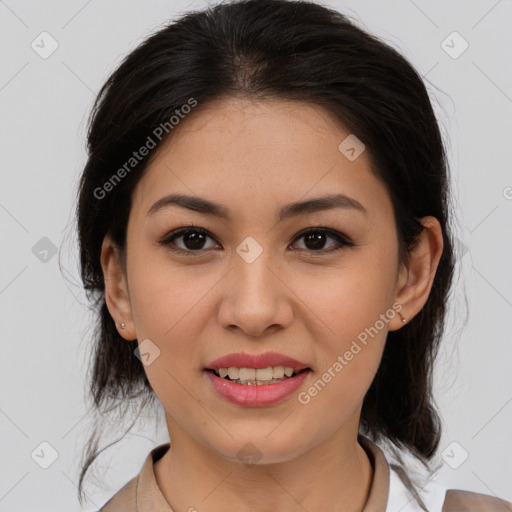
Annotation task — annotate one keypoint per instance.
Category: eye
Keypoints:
(193, 240)
(315, 239)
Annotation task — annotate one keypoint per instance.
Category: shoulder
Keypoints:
(141, 489)
(437, 497)
(467, 501)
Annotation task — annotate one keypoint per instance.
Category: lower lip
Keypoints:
(256, 396)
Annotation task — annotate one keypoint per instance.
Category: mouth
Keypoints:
(257, 376)
(256, 387)
(256, 380)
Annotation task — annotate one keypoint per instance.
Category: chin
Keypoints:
(259, 450)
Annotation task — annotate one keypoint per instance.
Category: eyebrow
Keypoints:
(201, 205)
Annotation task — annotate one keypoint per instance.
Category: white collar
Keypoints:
(401, 500)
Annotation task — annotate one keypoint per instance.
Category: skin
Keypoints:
(254, 157)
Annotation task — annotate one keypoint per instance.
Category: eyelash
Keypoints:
(339, 237)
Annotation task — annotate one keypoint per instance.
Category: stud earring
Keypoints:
(122, 326)
(403, 319)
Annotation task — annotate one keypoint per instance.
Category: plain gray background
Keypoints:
(44, 104)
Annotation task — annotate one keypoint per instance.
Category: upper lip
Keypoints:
(245, 360)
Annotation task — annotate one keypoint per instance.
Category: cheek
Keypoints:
(168, 310)
(167, 299)
(168, 306)
(349, 340)
(348, 317)
(343, 301)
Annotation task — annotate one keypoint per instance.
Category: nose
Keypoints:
(255, 298)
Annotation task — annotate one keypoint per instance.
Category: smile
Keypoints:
(245, 387)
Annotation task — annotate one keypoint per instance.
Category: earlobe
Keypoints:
(415, 281)
(117, 295)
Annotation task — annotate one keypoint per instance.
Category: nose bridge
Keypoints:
(252, 274)
(255, 298)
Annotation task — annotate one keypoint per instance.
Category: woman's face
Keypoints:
(253, 283)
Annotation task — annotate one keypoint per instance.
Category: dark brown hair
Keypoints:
(290, 50)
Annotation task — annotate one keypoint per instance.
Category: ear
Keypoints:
(415, 280)
(117, 296)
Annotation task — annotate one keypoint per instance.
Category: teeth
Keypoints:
(257, 382)
(278, 372)
(233, 373)
(260, 374)
(256, 374)
(248, 374)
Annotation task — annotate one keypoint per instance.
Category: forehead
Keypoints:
(255, 153)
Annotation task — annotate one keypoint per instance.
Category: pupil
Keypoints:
(194, 238)
(317, 239)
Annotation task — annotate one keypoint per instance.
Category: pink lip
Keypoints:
(244, 360)
(256, 396)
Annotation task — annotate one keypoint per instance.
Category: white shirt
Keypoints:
(401, 500)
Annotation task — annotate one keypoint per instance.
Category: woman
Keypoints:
(264, 226)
